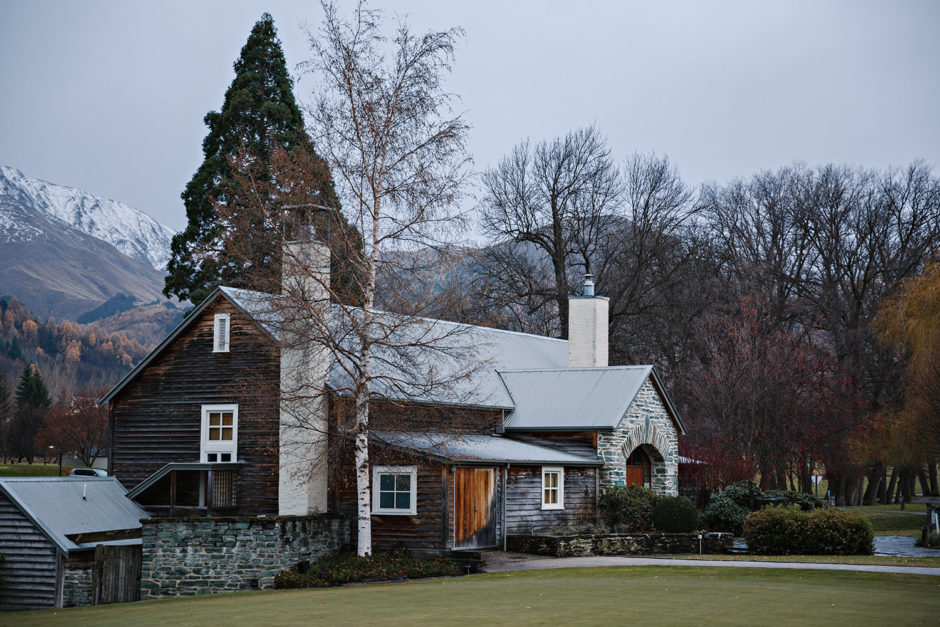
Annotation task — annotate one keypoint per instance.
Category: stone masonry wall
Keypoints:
(199, 555)
(78, 584)
(621, 544)
(646, 422)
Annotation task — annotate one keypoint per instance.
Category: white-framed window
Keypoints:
(553, 487)
(221, 332)
(395, 490)
(219, 433)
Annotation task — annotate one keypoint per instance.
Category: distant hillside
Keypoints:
(69, 355)
(61, 249)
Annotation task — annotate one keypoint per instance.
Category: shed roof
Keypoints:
(56, 506)
(577, 398)
(479, 449)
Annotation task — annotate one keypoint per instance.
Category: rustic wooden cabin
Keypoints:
(67, 541)
(526, 440)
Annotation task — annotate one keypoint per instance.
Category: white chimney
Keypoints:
(587, 328)
(304, 307)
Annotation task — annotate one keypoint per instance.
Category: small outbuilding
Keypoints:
(67, 541)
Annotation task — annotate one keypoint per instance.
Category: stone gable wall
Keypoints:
(647, 422)
(199, 556)
(78, 584)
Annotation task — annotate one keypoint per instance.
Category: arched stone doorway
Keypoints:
(640, 465)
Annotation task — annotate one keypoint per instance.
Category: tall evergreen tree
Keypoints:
(258, 116)
(32, 401)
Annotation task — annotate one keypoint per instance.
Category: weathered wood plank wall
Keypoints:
(156, 419)
(29, 568)
(524, 512)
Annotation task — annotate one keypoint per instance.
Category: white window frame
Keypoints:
(377, 471)
(207, 446)
(221, 343)
(560, 471)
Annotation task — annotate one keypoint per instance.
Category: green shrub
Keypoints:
(675, 514)
(791, 531)
(348, 567)
(933, 540)
(628, 508)
(743, 493)
(724, 514)
(805, 501)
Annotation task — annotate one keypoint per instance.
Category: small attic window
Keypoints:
(221, 333)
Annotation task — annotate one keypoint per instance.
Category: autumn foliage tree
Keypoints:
(78, 425)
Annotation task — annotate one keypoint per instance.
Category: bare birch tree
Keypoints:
(396, 150)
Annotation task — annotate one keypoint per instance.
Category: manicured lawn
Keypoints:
(889, 520)
(589, 596)
(32, 470)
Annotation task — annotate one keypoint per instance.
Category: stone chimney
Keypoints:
(587, 328)
(304, 305)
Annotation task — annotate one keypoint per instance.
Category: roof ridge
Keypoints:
(580, 369)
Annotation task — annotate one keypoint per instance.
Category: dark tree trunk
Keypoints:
(874, 482)
(932, 472)
(891, 494)
(882, 484)
(924, 483)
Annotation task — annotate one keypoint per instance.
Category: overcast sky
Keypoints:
(109, 96)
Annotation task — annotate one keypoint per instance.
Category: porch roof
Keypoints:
(479, 449)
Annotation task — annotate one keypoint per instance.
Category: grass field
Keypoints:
(653, 595)
(889, 520)
(32, 470)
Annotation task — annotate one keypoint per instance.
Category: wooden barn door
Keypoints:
(474, 508)
(117, 574)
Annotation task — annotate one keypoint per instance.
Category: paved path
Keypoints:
(902, 546)
(499, 562)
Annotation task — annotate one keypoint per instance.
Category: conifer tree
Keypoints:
(32, 401)
(258, 117)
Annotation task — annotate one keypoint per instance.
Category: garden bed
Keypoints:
(652, 543)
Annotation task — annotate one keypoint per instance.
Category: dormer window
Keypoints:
(222, 330)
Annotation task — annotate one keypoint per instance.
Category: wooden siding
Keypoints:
(157, 417)
(524, 512)
(29, 568)
(579, 443)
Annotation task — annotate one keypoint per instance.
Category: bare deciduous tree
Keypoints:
(397, 152)
(559, 197)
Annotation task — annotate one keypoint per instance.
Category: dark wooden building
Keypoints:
(525, 442)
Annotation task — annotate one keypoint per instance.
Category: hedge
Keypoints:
(349, 567)
(790, 531)
(675, 514)
(626, 509)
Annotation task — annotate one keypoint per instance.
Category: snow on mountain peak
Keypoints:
(131, 231)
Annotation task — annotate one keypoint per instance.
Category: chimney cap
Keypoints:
(588, 289)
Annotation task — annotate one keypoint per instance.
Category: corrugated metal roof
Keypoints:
(479, 449)
(572, 398)
(56, 505)
(463, 358)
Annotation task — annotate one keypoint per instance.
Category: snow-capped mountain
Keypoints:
(131, 231)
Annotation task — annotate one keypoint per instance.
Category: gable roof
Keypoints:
(492, 349)
(56, 506)
(593, 398)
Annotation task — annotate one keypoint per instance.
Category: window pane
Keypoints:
(387, 500)
(551, 480)
(215, 419)
(227, 433)
(404, 483)
(386, 483)
(226, 457)
(214, 434)
(403, 500)
(227, 419)
(211, 457)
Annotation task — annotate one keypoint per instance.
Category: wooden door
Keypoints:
(636, 475)
(116, 578)
(474, 508)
